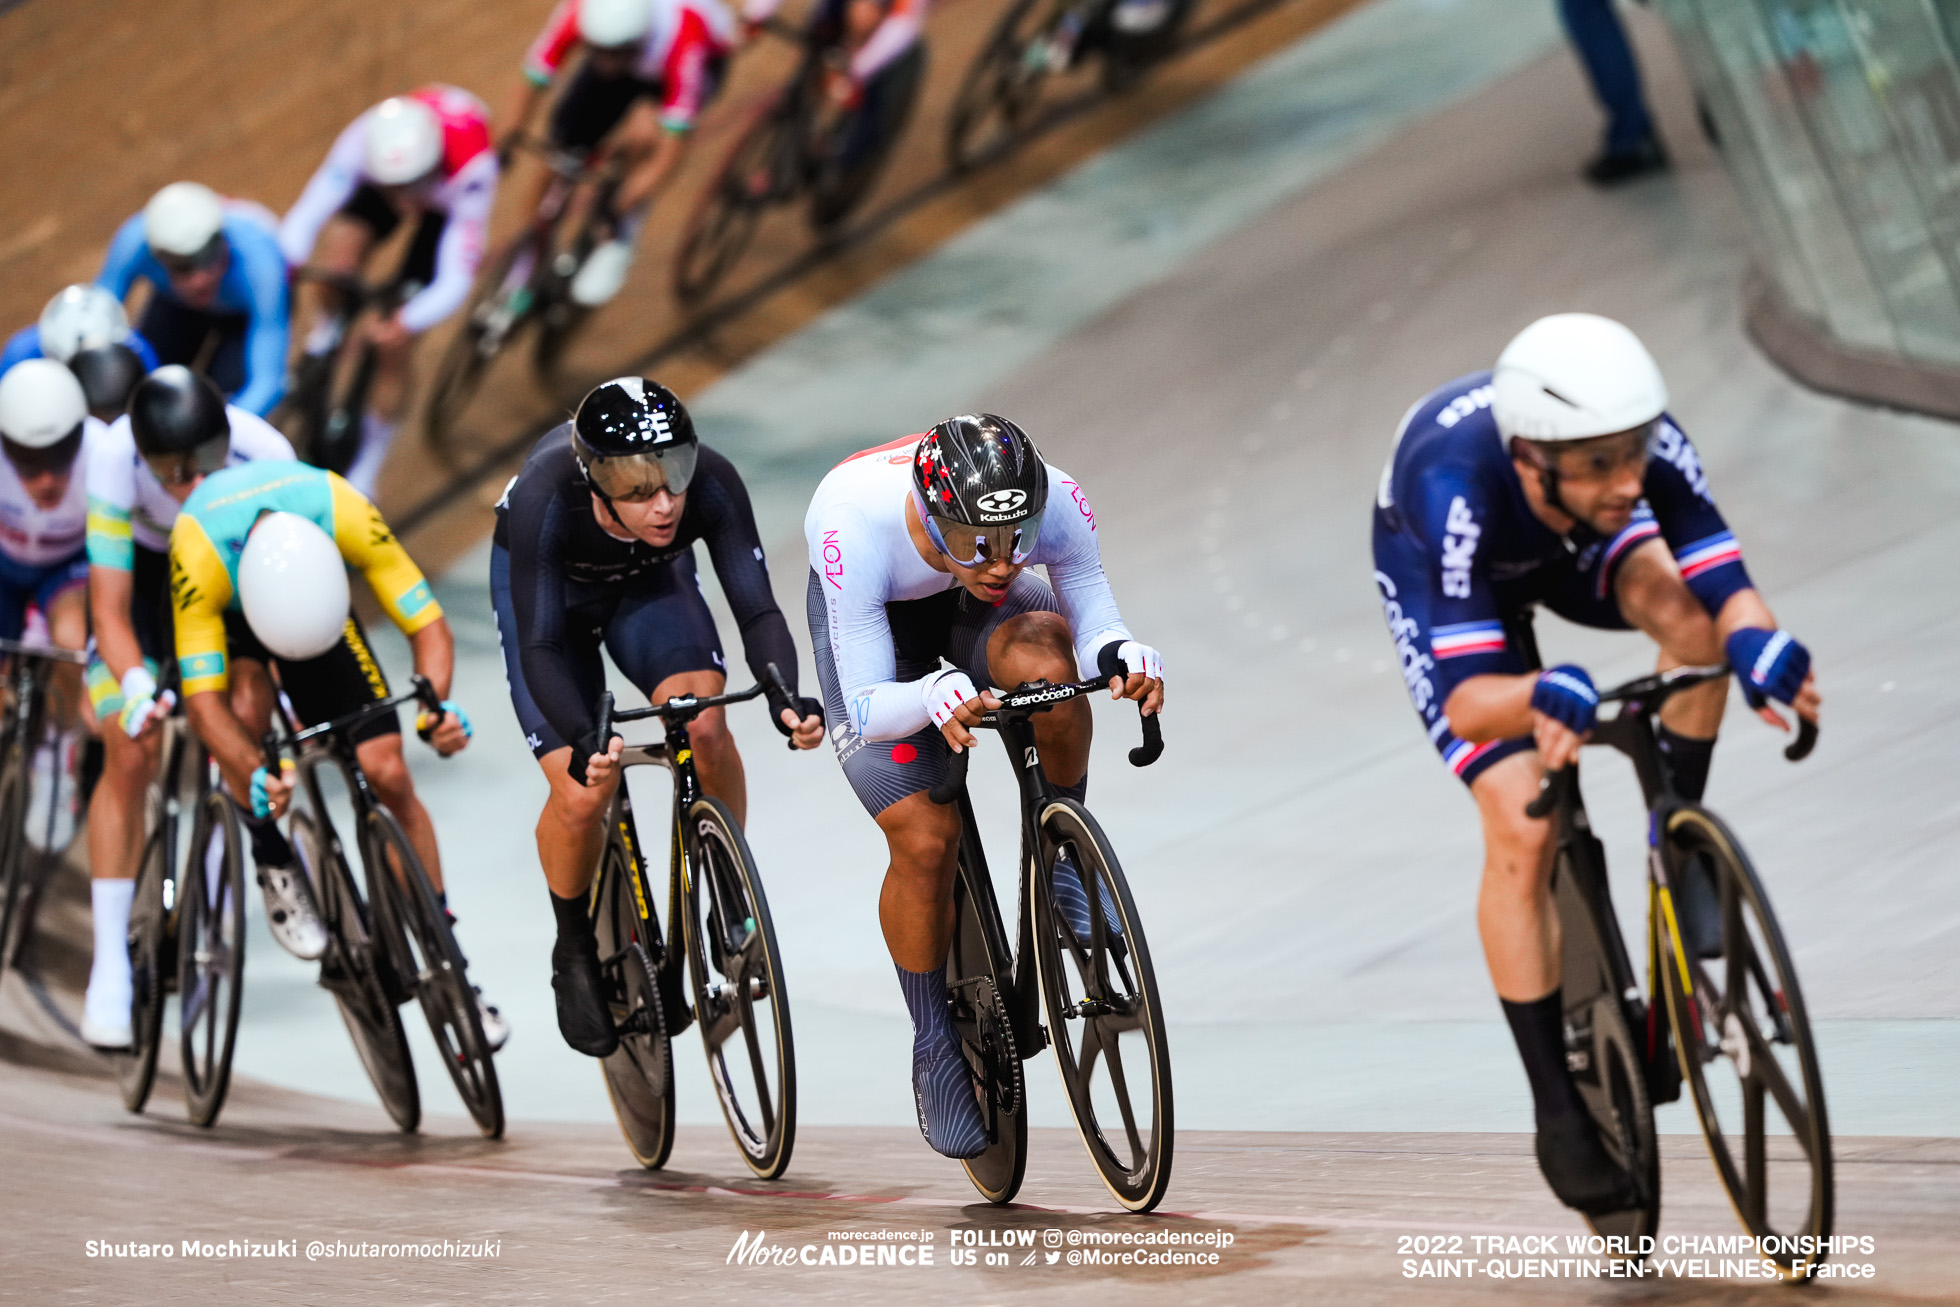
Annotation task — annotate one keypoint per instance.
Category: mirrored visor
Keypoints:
(976, 546)
(636, 478)
(201, 461)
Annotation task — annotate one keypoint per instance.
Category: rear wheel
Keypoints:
(1747, 1053)
(210, 955)
(149, 960)
(640, 1073)
(739, 999)
(976, 985)
(997, 96)
(351, 972)
(440, 976)
(750, 179)
(1104, 1014)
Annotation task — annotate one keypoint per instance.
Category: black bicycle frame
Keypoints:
(1014, 721)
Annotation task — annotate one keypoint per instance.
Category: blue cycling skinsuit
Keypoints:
(1460, 557)
(250, 313)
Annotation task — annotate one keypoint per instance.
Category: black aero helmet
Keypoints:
(981, 488)
(178, 420)
(632, 437)
(108, 374)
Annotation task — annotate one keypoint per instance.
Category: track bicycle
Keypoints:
(1736, 1019)
(186, 923)
(719, 928)
(323, 411)
(1038, 39)
(528, 282)
(390, 937)
(27, 836)
(793, 146)
(1094, 990)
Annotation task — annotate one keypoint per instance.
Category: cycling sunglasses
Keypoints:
(637, 478)
(976, 546)
(182, 265)
(31, 462)
(200, 461)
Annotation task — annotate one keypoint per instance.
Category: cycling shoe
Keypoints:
(1072, 901)
(1575, 1164)
(584, 1019)
(949, 1111)
(290, 912)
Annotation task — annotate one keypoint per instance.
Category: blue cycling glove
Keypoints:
(1770, 664)
(426, 724)
(262, 801)
(1566, 694)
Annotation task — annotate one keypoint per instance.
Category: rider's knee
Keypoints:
(1032, 646)
(927, 843)
(710, 733)
(387, 771)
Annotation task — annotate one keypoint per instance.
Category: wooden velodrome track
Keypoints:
(106, 102)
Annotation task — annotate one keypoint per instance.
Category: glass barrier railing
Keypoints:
(1839, 121)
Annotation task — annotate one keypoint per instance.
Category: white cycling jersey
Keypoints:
(864, 558)
(128, 506)
(40, 537)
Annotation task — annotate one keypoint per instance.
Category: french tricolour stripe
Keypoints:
(1703, 555)
(1461, 754)
(1635, 532)
(1467, 638)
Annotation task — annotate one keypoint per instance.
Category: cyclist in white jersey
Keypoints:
(918, 550)
(188, 432)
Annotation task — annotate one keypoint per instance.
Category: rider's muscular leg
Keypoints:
(1035, 647)
(1515, 916)
(915, 907)
(115, 815)
(387, 771)
(571, 828)
(716, 758)
(68, 626)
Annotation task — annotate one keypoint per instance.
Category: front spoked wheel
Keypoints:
(997, 96)
(1104, 1014)
(750, 179)
(739, 999)
(351, 972)
(640, 1073)
(496, 310)
(15, 851)
(1747, 1052)
(210, 955)
(434, 967)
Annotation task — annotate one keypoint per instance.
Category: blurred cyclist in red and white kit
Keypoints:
(650, 67)
(424, 158)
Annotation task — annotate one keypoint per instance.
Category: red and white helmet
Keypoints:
(404, 141)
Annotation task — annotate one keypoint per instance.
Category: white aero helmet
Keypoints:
(41, 403)
(1573, 376)
(183, 219)
(82, 317)
(609, 24)
(292, 585)
(404, 141)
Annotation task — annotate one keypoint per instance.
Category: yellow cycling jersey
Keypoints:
(209, 536)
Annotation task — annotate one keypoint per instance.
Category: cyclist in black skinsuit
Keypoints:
(595, 546)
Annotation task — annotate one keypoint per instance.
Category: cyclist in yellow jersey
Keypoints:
(225, 649)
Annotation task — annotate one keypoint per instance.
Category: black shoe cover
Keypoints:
(1576, 1166)
(583, 1018)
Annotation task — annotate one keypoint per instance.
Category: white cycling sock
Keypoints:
(108, 975)
(377, 434)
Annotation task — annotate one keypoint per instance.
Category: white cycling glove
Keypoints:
(139, 697)
(1141, 660)
(945, 693)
